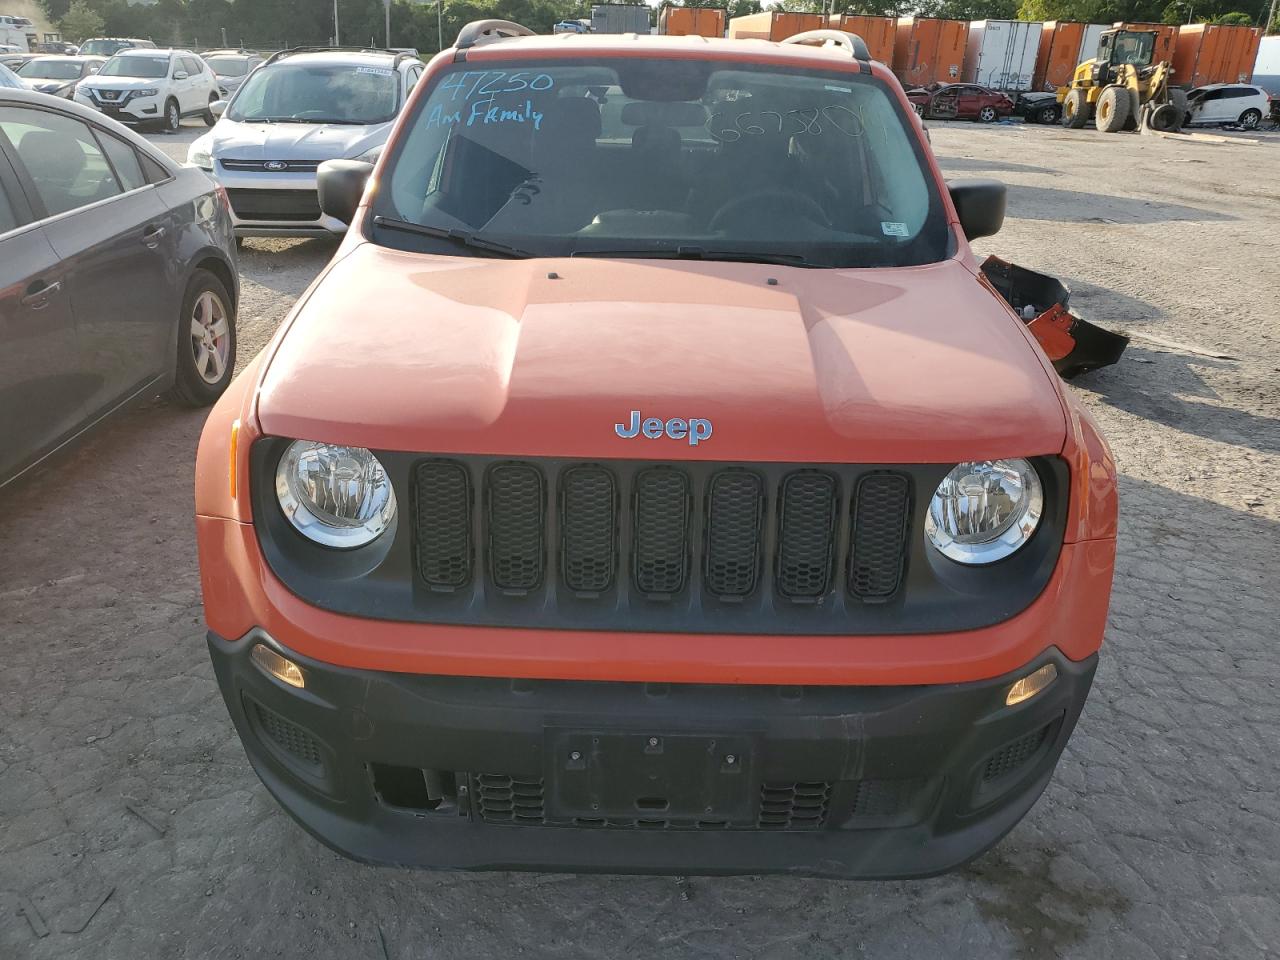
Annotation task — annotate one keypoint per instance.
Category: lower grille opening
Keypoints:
(885, 798)
(503, 799)
(288, 736)
(412, 788)
(1012, 756)
(278, 205)
(794, 806)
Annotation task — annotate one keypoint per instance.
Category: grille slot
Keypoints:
(503, 799)
(1013, 755)
(878, 539)
(735, 506)
(794, 806)
(515, 523)
(290, 166)
(443, 500)
(288, 736)
(885, 798)
(806, 535)
(279, 205)
(588, 531)
(661, 556)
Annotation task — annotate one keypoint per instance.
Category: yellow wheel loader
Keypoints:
(1121, 89)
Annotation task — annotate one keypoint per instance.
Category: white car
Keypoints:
(141, 86)
(1221, 103)
(297, 110)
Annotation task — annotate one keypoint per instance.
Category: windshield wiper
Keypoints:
(460, 237)
(700, 253)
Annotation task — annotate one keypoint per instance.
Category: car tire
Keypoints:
(988, 115)
(1049, 115)
(208, 117)
(1075, 109)
(1250, 118)
(1165, 119)
(206, 342)
(172, 116)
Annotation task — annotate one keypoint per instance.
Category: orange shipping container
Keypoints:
(1059, 54)
(927, 50)
(692, 21)
(876, 32)
(1214, 53)
(1165, 35)
(774, 25)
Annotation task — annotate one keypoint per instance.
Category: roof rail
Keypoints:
(281, 54)
(833, 39)
(486, 31)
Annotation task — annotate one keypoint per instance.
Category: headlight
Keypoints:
(337, 496)
(371, 155)
(148, 92)
(984, 511)
(200, 156)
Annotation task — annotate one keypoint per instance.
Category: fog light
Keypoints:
(1027, 687)
(286, 671)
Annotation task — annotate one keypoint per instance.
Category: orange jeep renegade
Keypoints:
(653, 482)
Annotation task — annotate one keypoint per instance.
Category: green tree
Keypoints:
(80, 22)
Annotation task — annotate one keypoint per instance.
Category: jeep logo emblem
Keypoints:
(695, 431)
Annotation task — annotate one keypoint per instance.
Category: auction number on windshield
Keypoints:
(486, 84)
(728, 127)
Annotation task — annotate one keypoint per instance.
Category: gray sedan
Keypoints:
(58, 75)
(117, 277)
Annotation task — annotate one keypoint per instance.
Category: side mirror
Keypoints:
(980, 206)
(340, 184)
(180, 75)
(218, 107)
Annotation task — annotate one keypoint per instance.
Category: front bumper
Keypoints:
(128, 109)
(266, 204)
(489, 773)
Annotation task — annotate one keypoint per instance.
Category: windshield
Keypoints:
(50, 70)
(1134, 48)
(133, 66)
(104, 48)
(317, 93)
(665, 158)
(227, 66)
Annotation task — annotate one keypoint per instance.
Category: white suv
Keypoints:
(152, 87)
(1220, 103)
(297, 110)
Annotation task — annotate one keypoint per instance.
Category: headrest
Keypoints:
(50, 154)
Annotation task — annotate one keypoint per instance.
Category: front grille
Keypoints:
(885, 798)
(667, 534)
(288, 736)
(1012, 756)
(275, 205)
(794, 806)
(272, 166)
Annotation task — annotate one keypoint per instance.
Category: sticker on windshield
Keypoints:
(376, 71)
(890, 229)
(832, 86)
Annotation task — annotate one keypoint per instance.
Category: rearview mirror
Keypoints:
(180, 75)
(218, 107)
(980, 206)
(340, 184)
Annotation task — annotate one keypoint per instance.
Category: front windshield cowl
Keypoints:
(664, 159)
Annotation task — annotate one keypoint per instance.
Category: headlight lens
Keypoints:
(148, 92)
(983, 511)
(200, 157)
(371, 155)
(337, 496)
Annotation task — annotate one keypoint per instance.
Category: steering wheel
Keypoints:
(770, 205)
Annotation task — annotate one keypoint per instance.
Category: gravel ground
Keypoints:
(121, 777)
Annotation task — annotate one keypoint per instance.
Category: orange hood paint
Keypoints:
(477, 355)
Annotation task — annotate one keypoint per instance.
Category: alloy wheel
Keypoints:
(210, 337)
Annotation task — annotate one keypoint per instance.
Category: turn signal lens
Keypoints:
(1031, 684)
(284, 670)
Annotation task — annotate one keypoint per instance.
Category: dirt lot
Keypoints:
(121, 777)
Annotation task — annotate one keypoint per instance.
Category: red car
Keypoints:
(960, 101)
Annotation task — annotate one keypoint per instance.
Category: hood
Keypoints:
(294, 141)
(403, 351)
(122, 83)
(45, 86)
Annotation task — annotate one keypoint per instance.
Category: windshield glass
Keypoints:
(227, 66)
(50, 70)
(649, 157)
(317, 93)
(135, 66)
(1134, 48)
(103, 48)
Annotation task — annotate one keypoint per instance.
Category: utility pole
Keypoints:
(224, 38)
(1271, 18)
(386, 4)
(440, 20)
(336, 41)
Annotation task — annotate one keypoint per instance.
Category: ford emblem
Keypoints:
(276, 165)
